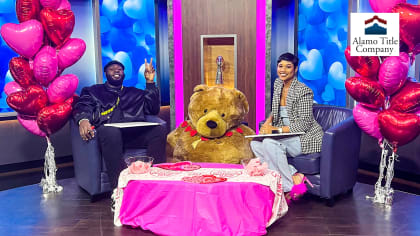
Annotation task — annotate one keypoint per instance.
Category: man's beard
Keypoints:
(115, 82)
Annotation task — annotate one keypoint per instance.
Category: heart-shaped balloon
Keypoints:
(27, 9)
(409, 25)
(12, 87)
(397, 127)
(21, 72)
(393, 73)
(70, 52)
(25, 38)
(28, 102)
(52, 118)
(30, 125)
(64, 5)
(50, 3)
(367, 119)
(365, 91)
(366, 66)
(58, 24)
(45, 65)
(384, 5)
(407, 99)
(62, 88)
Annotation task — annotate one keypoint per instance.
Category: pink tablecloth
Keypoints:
(180, 208)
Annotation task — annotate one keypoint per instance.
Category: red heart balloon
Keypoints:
(407, 99)
(21, 72)
(397, 127)
(28, 102)
(52, 118)
(409, 25)
(58, 24)
(364, 65)
(27, 9)
(366, 91)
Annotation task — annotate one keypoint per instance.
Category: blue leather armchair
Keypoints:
(89, 167)
(333, 171)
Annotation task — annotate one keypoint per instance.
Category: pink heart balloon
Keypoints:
(31, 126)
(25, 38)
(45, 65)
(384, 5)
(62, 88)
(393, 73)
(367, 119)
(54, 4)
(12, 87)
(64, 5)
(71, 52)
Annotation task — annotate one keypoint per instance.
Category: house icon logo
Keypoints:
(375, 26)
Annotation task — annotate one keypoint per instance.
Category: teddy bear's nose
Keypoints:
(211, 124)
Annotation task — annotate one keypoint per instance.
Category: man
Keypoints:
(111, 103)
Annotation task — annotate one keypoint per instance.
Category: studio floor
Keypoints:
(26, 211)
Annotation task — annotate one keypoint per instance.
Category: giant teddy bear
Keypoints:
(214, 131)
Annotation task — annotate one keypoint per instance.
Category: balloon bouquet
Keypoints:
(389, 102)
(40, 95)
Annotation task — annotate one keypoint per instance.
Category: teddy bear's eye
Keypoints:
(205, 110)
(223, 114)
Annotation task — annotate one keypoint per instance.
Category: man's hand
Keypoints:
(149, 71)
(85, 129)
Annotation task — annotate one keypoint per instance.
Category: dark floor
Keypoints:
(26, 211)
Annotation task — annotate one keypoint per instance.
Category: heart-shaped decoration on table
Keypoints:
(17, 35)
(204, 179)
(58, 24)
(21, 72)
(28, 102)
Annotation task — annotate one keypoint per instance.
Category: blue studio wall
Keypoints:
(128, 35)
(322, 39)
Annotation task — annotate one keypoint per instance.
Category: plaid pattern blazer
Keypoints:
(299, 109)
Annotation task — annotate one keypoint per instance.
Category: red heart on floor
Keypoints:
(58, 24)
(21, 72)
(204, 179)
(52, 118)
(28, 102)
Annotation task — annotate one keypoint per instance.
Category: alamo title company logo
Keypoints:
(375, 34)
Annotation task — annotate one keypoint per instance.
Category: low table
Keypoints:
(161, 202)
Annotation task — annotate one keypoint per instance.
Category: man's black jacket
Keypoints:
(134, 103)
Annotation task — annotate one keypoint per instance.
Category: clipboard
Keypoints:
(259, 137)
(131, 124)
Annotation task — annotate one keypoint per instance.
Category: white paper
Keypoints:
(131, 124)
(273, 136)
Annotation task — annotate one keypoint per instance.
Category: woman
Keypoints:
(291, 112)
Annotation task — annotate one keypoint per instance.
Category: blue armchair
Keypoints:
(333, 171)
(89, 167)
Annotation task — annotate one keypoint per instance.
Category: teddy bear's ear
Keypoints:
(243, 99)
(200, 88)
